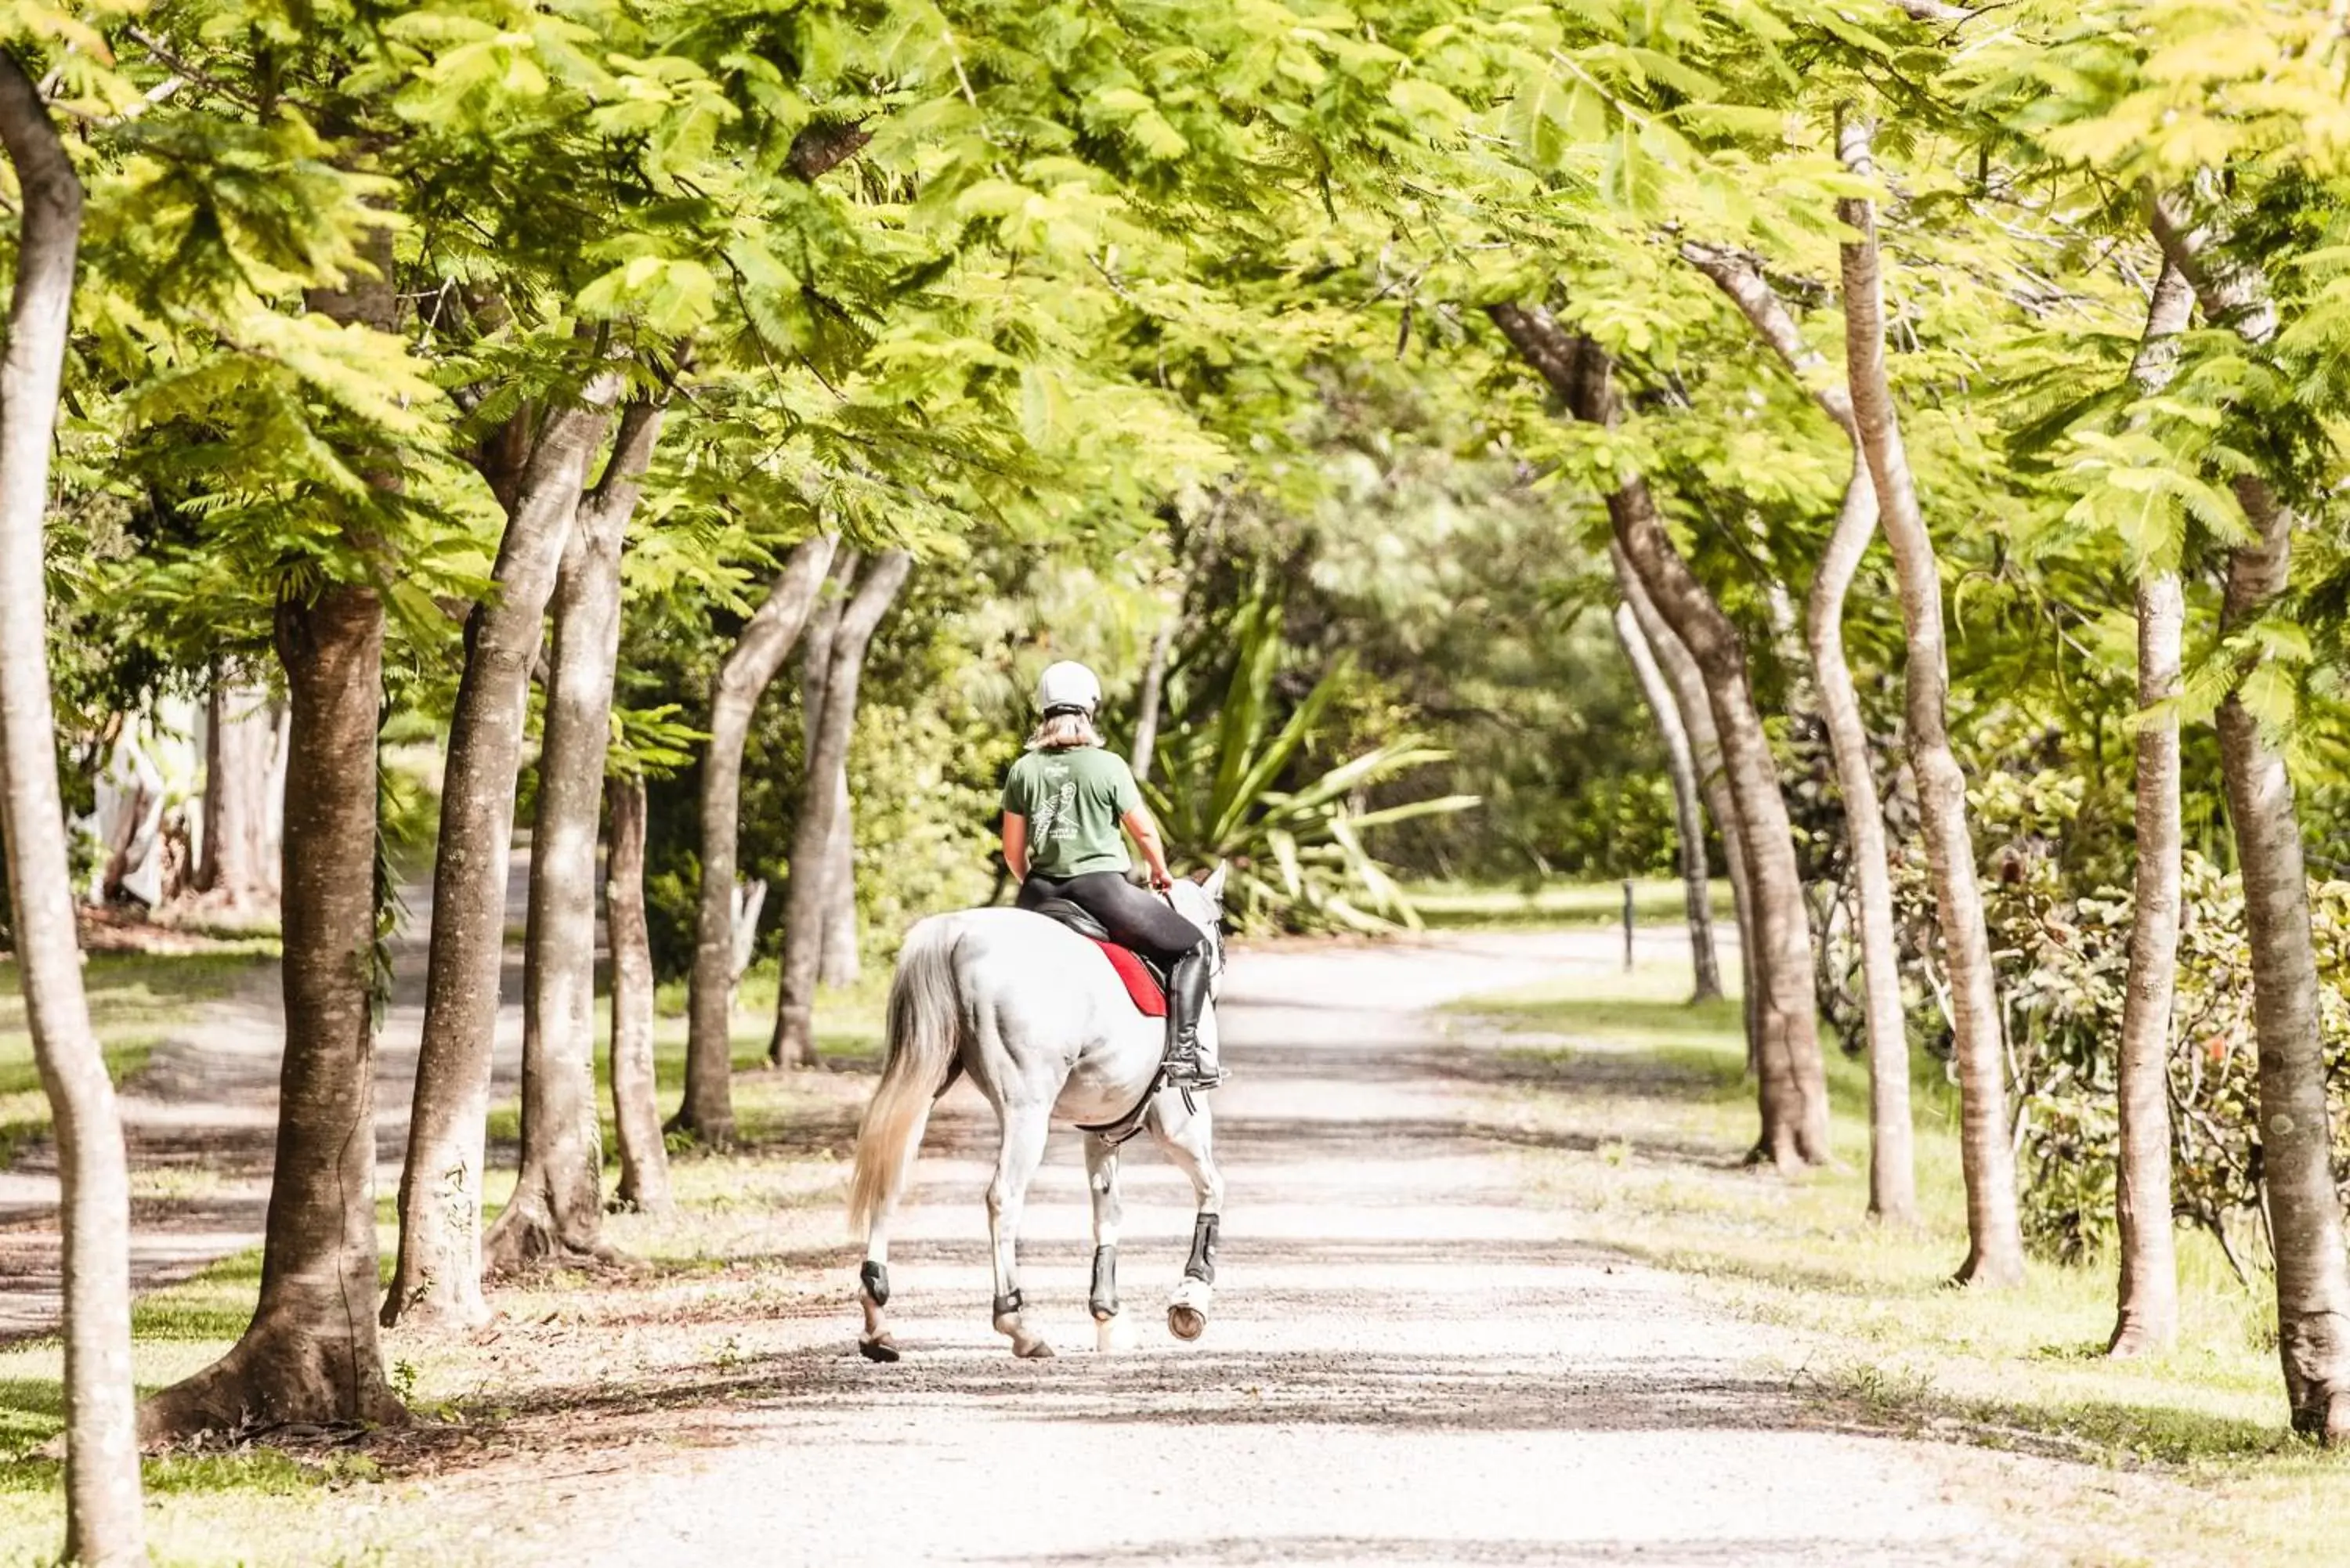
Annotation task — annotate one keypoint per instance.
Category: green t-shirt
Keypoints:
(1073, 801)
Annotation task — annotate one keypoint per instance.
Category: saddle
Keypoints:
(1145, 981)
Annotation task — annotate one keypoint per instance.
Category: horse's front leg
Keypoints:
(1016, 1158)
(1187, 1135)
(1111, 1327)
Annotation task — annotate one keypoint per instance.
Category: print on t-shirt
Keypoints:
(1056, 814)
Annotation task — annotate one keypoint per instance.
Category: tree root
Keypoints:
(718, 1138)
(530, 1236)
(279, 1375)
(1980, 1273)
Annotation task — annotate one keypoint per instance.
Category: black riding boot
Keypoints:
(1191, 1063)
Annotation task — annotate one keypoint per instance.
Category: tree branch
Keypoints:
(821, 146)
(1741, 277)
(632, 454)
(1556, 353)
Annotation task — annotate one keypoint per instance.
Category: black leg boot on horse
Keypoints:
(1191, 1057)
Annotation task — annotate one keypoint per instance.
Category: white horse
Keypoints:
(1044, 1025)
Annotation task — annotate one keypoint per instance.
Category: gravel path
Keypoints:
(201, 1126)
(1408, 1363)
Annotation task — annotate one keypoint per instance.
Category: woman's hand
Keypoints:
(1137, 823)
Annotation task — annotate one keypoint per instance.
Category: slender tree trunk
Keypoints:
(795, 1039)
(2146, 1316)
(1153, 695)
(1696, 708)
(1892, 1157)
(2303, 1205)
(273, 829)
(1994, 1235)
(439, 1274)
(1892, 1163)
(103, 1524)
(558, 1210)
(840, 963)
(636, 1110)
(766, 640)
(310, 1354)
(2304, 1208)
(1792, 1080)
(839, 853)
(1790, 1074)
(240, 737)
(1689, 817)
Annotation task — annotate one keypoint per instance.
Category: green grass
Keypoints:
(261, 1506)
(1449, 904)
(1643, 1104)
(202, 1508)
(135, 1002)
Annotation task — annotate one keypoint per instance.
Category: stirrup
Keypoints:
(1185, 1073)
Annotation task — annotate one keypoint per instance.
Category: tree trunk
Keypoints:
(310, 1354)
(1689, 818)
(2146, 1316)
(838, 857)
(766, 640)
(439, 1275)
(103, 1522)
(557, 1213)
(1995, 1235)
(840, 965)
(795, 1039)
(1791, 1078)
(636, 1110)
(2304, 1210)
(240, 738)
(1892, 1163)
(1696, 708)
(1892, 1140)
(1153, 695)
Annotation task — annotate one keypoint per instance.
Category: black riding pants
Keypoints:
(1134, 917)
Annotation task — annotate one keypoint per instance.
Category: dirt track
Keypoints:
(1407, 1363)
(200, 1123)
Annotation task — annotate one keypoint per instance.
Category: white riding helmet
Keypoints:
(1068, 687)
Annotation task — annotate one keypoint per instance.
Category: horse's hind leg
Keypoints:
(1016, 1160)
(873, 1288)
(1187, 1136)
(1101, 1177)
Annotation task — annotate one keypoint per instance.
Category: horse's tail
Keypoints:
(925, 1017)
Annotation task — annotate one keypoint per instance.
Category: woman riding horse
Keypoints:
(1045, 1031)
(1064, 803)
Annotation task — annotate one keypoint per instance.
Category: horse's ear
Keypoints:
(1213, 883)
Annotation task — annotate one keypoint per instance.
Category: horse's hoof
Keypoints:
(1186, 1323)
(881, 1348)
(1035, 1350)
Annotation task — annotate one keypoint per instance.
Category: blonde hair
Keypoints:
(1065, 731)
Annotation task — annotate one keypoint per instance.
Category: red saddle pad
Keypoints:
(1150, 1000)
